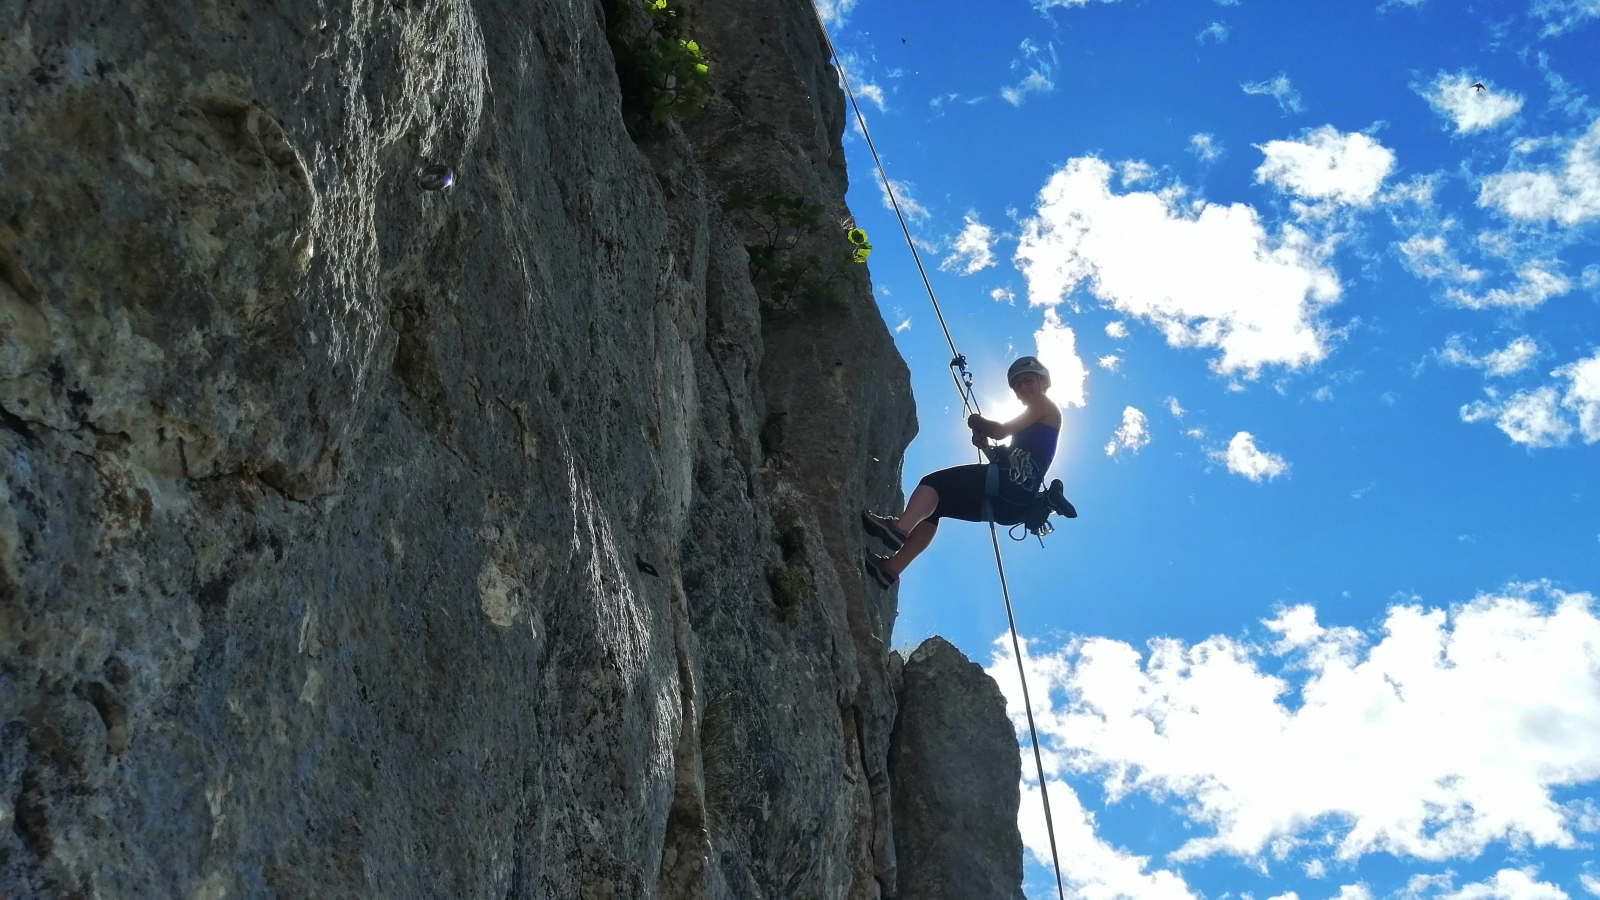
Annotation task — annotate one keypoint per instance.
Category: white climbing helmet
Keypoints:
(1027, 364)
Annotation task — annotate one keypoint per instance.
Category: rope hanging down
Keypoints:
(969, 405)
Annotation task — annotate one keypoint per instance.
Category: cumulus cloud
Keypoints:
(909, 207)
(1568, 193)
(1426, 740)
(1003, 295)
(1326, 165)
(1509, 884)
(1135, 171)
(1564, 15)
(1432, 257)
(1590, 883)
(972, 250)
(1531, 418)
(1455, 98)
(1205, 146)
(1511, 359)
(1116, 330)
(1091, 868)
(1583, 394)
(1133, 435)
(1058, 350)
(833, 12)
(1242, 457)
(1537, 281)
(1175, 408)
(1216, 31)
(1110, 363)
(1279, 89)
(1221, 280)
(1036, 66)
(905, 325)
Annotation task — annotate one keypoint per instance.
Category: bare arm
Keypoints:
(1042, 411)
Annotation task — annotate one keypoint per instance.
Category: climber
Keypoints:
(958, 492)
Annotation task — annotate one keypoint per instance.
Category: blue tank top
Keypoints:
(1029, 456)
(1039, 440)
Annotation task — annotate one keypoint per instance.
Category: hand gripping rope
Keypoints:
(969, 405)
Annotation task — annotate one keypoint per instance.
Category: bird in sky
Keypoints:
(1479, 86)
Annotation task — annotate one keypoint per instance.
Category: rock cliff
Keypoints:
(953, 759)
(361, 540)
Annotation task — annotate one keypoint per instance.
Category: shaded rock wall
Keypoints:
(956, 774)
(327, 502)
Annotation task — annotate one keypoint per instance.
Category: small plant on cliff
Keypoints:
(660, 70)
(789, 278)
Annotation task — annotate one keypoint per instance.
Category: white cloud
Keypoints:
(1057, 348)
(1441, 735)
(1537, 281)
(1038, 68)
(1243, 458)
(1216, 31)
(1279, 89)
(1563, 95)
(1513, 358)
(1174, 408)
(833, 12)
(1583, 394)
(1354, 892)
(909, 207)
(1091, 868)
(903, 326)
(1568, 193)
(1509, 884)
(973, 248)
(1327, 165)
(1134, 434)
(1222, 282)
(1205, 146)
(1003, 295)
(1110, 363)
(1590, 883)
(1455, 98)
(1532, 418)
(1564, 15)
(1135, 171)
(850, 69)
(1431, 257)
(1116, 330)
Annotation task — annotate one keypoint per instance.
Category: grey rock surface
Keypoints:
(956, 769)
(327, 501)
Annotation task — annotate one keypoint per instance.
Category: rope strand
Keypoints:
(969, 405)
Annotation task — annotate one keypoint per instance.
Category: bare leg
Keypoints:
(916, 542)
(921, 505)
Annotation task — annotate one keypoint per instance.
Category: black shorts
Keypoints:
(960, 490)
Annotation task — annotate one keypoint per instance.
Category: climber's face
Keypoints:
(1027, 386)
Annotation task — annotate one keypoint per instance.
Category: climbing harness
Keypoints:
(969, 405)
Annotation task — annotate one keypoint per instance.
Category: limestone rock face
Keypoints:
(955, 768)
(358, 540)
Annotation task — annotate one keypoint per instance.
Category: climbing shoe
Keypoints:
(1056, 498)
(877, 567)
(882, 528)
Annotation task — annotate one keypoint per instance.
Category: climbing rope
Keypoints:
(969, 405)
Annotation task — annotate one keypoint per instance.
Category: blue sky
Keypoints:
(1326, 322)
